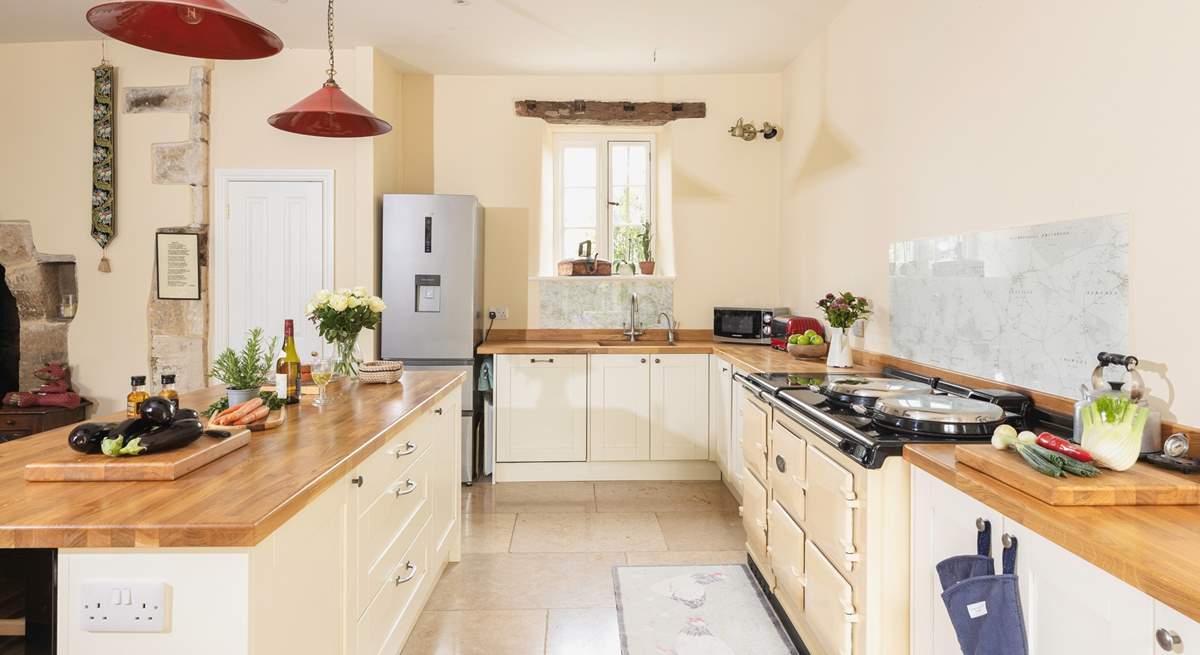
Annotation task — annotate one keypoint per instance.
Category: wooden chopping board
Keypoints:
(70, 466)
(1141, 485)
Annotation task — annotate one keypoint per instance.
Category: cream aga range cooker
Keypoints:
(825, 493)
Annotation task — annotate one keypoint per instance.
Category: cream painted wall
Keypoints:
(45, 177)
(417, 129)
(939, 117)
(720, 185)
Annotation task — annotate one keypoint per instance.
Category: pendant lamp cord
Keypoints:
(329, 27)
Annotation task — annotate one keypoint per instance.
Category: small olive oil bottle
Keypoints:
(133, 402)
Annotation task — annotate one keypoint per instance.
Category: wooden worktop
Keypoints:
(1152, 548)
(752, 358)
(235, 501)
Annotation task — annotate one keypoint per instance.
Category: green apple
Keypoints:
(816, 340)
(810, 333)
(795, 338)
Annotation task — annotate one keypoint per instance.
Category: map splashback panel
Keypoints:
(1029, 305)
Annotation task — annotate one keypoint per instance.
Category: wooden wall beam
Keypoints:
(593, 112)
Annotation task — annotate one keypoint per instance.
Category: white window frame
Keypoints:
(603, 144)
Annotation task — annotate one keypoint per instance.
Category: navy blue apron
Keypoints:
(985, 608)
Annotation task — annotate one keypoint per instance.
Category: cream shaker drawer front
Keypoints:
(787, 555)
(828, 603)
(831, 500)
(386, 622)
(398, 508)
(383, 466)
(786, 469)
(755, 417)
(754, 520)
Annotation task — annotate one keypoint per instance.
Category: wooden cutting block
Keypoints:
(70, 466)
(1141, 485)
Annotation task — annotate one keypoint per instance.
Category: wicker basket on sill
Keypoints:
(380, 372)
(808, 352)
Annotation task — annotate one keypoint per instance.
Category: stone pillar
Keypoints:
(37, 282)
(178, 329)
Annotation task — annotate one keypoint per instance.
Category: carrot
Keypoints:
(242, 410)
(255, 416)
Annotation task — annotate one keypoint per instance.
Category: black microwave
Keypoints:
(744, 324)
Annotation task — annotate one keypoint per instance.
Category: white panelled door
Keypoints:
(273, 253)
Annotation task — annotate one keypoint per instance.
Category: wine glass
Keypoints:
(322, 373)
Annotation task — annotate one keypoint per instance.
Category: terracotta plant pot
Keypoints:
(647, 268)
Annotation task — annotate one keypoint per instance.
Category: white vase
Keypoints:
(839, 349)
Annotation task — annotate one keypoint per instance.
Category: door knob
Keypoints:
(1168, 640)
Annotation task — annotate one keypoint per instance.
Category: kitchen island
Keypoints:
(325, 535)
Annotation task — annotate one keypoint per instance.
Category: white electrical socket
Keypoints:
(501, 313)
(124, 606)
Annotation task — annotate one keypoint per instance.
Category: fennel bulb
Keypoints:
(1112, 431)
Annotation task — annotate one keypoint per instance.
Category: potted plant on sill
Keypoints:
(841, 312)
(244, 373)
(646, 265)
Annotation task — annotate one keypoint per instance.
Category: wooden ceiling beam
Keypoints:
(594, 112)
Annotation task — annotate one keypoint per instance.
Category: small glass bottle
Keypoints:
(133, 402)
(168, 389)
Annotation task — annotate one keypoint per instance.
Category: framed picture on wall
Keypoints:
(177, 261)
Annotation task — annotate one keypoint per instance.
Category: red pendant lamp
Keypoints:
(207, 29)
(330, 112)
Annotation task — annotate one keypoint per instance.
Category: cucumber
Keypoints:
(1039, 464)
(1068, 464)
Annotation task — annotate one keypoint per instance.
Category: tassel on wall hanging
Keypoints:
(104, 160)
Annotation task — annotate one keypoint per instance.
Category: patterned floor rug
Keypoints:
(695, 610)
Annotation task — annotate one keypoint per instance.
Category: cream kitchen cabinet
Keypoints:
(678, 407)
(720, 413)
(619, 420)
(541, 408)
(1070, 605)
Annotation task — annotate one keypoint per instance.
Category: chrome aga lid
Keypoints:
(866, 391)
(938, 415)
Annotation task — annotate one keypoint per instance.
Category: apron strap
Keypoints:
(983, 541)
(1010, 556)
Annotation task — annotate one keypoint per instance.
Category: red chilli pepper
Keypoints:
(1060, 445)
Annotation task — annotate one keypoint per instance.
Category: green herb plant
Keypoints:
(249, 368)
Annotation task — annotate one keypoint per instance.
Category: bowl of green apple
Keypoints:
(806, 345)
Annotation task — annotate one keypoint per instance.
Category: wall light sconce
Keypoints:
(748, 132)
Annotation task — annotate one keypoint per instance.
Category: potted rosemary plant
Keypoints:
(244, 373)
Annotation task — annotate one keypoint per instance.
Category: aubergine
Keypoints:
(158, 409)
(177, 435)
(86, 437)
(186, 413)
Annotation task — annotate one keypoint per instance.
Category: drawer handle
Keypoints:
(438, 411)
(541, 361)
(409, 448)
(357, 481)
(412, 573)
(1168, 640)
(409, 487)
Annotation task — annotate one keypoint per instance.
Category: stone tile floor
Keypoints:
(536, 572)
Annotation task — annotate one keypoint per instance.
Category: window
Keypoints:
(603, 194)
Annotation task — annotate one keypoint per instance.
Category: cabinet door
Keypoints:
(755, 418)
(619, 407)
(720, 412)
(737, 463)
(1071, 606)
(541, 408)
(1174, 632)
(447, 476)
(679, 407)
(943, 525)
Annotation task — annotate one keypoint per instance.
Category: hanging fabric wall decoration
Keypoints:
(104, 160)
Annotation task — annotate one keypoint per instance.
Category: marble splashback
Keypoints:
(602, 303)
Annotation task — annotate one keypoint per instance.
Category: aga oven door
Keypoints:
(830, 502)
(828, 603)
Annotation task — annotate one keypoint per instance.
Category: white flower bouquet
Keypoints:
(339, 316)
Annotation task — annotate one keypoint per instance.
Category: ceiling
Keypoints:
(513, 36)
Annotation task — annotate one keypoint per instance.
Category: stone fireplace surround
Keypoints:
(36, 282)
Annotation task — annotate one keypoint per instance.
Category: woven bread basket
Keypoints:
(380, 372)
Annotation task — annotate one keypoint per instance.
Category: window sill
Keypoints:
(600, 278)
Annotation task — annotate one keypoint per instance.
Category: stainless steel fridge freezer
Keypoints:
(431, 276)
